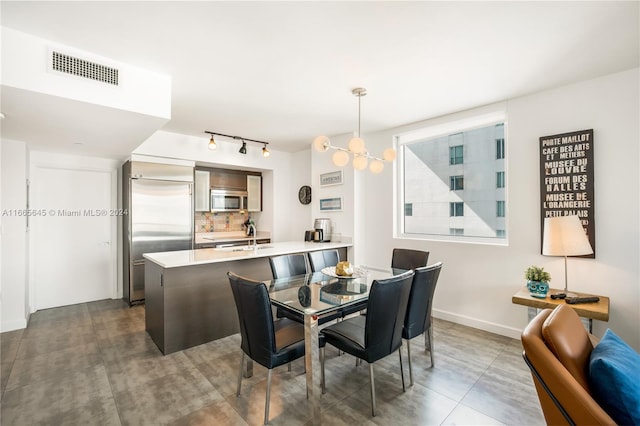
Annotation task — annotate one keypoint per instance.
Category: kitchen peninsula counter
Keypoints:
(175, 259)
(188, 300)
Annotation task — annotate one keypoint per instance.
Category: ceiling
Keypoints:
(283, 71)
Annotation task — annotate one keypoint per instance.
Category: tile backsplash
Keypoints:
(220, 222)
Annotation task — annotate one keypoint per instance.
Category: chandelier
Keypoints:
(356, 147)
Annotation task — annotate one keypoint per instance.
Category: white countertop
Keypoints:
(175, 259)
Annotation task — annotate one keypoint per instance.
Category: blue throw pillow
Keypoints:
(614, 379)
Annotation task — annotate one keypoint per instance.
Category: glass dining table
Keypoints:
(315, 295)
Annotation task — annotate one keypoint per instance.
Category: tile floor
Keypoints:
(93, 364)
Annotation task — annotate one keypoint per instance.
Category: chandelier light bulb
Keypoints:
(321, 143)
(212, 144)
(376, 166)
(340, 158)
(389, 154)
(356, 145)
(359, 162)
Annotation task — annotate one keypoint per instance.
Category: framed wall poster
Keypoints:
(331, 178)
(567, 180)
(331, 204)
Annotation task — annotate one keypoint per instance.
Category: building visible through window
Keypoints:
(453, 182)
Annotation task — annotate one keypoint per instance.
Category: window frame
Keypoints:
(454, 180)
(453, 155)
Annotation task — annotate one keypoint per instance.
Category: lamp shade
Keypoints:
(564, 236)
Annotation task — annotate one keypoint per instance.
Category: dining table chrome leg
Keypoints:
(312, 361)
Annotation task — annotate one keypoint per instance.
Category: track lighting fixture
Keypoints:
(356, 147)
(243, 149)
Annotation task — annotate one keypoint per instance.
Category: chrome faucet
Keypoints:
(255, 244)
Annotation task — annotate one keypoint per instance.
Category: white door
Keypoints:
(72, 255)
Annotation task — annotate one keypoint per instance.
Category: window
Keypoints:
(455, 155)
(501, 233)
(499, 148)
(456, 183)
(456, 209)
(450, 171)
(408, 209)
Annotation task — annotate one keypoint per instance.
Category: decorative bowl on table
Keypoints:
(355, 273)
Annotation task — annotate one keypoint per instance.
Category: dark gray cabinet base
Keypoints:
(191, 305)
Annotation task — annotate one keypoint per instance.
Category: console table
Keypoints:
(597, 310)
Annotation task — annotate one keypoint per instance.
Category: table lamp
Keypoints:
(565, 236)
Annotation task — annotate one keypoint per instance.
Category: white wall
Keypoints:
(478, 280)
(15, 265)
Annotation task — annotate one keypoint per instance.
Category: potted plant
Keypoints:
(537, 281)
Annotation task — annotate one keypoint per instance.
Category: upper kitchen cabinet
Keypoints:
(254, 193)
(202, 190)
(228, 179)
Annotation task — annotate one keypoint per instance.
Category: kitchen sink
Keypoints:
(243, 248)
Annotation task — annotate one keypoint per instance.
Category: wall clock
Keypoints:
(304, 194)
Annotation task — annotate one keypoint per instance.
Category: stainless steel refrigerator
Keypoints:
(157, 199)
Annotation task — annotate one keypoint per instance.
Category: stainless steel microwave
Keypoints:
(228, 201)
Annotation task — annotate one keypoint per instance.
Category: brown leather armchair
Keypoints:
(557, 348)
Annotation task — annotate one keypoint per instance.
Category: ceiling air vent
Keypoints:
(83, 68)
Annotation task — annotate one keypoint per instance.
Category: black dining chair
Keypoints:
(323, 258)
(408, 259)
(418, 318)
(270, 344)
(290, 265)
(379, 333)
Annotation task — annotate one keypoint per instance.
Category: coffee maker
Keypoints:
(322, 228)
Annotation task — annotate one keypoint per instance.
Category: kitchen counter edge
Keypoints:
(176, 259)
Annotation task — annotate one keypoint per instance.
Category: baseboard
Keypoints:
(14, 325)
(491, 327)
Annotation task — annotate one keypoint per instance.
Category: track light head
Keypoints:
(243, 148)
(212, 144)
(265, 151)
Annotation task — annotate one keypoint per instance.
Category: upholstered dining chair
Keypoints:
(288, 265)
(322, 258)
(418, 318)
(379, 333)
(408, 259)
(270, 344)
